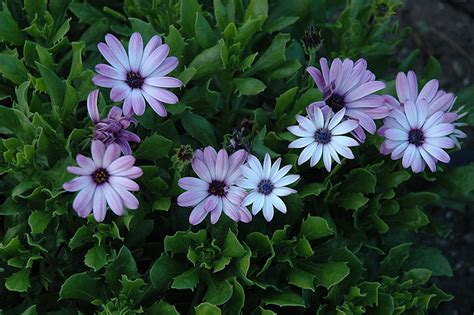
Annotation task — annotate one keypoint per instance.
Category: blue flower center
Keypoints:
(134, 80)
(217, 188)
(100, 176)
(265, 187)
(416, 137)
(322, 136)
(336, 102)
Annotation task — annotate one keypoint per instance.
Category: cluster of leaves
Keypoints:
(346, 244)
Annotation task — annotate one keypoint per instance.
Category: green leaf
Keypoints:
(189, 9)
(162, 307)
(13, 69)
(187, 280)
(218, 291)
(9, 30)
(131, 288)
(326, 274)
(19, 281)
(17, 123)
(175, 41)
(392, 263)
(204, 33)
(232, 246)
(76, 64)
(95, 257)
(163, 271)
(207, 62)
(237, 301)
(199, 128)
(249, 86)
(207, 309)
(385, 305)
(273, 56)
(433, 69)
(360, 181)
(54, 85)
(393, 179)
(145, 29)
(315, 227)
(38, 221)
(82, 235)
(429, 258)
(287, 298)
(162, 204)
(153, 148)
(80, 286)
(256, 8)
(301, 279)
(285, 100)
(352, 201)
(124, 264)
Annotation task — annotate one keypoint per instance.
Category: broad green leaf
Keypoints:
(285, 100)
(162, 204)
(249, 86)
(12, 68)
(38, 221)
(176, 42)
(232, 246)
(237, 301)
(360, 181)
(76, 64)
(54, 85)
(429, 258)
(301, 279)
(273, 56)
(204, 34)
(9, 29)
(189, 9)
(199, 128)
(95, 258)
(287, 298)
(256, 8)
(187, 280)
(162, 307)
(163, 271)
(433, 69)
(326, 274)
(124, 264)
(82, 235)
(385, 305)
(80, 286)
(153, 148)
(352, 201)
(207, 62)
(395, 259)
(218, 291)
(315, 227)
(131, 288)
(207, 309)
(19, 281)
(145, 29)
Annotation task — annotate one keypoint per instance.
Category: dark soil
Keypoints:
(445, 30)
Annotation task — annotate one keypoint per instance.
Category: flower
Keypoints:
(417, 137)
(215, 189)
(139, 76)
(438, 100)
(111, 129)
(323, 137)
(266, 184)
(104, 179)
(351, 86)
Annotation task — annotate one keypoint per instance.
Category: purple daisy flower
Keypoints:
(138, 76)
(106, 179)
(438, 100)
(215, 190)
(267, 184)
(350, 86)
(417, 137)
(323, 137)
(113, 128)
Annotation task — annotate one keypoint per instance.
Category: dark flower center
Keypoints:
(416, 137)
(322, 136)
(336, 102)
(134, 80)
(217, 188)
(265, 187)
(100, 176)
(185, 153)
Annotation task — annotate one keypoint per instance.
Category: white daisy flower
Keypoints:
(266, 185)
(323, 137)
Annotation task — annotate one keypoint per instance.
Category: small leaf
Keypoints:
(38, 221)
(352, 201)
(249, 86)
(232, 246)
(207, 309)
(13, 69)
(153, 148)
(395, 259)
(187, 280)
(95, 258)
(163, 271)
(429, 258)
(199, 128)
(79, 286)
(315, 227)
(287, 298)
(19, 281)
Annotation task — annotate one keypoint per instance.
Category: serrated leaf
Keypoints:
(95, 258)
(19, 281)
(79, 286)
(315, 227)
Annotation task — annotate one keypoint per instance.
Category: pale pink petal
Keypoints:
(191, 198)
(160, 94)
(92, 106)
(110, 72)
(135, 51)
(364, 90)
(156, 105)
(113, 199)
(98, 150)
(118, 50)
(78, 183)
(120, 92)
(110, 57)
(201, 170)
(154, 60)
(111, 154)
(107, 82)
(198, 214)
(222, 164)
(192, 183)
(99, 204)
(124, 182)
(164, 82)
(118, 166)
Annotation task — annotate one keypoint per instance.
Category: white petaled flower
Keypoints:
(266, 184)
(323, 137)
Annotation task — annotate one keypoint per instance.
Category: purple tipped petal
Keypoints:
(119, 92)
(78, 183)
(110, 72)
(194, 184)
(156, 105)
(124, 182)
(317, 77)
(138, 103)
(107, 82)
(160, 94)
(164, 82)
(429, 91)
(110, 57)
(130, 172)
(120, 165)
(166, 67)
(85, 163)
(99, 204)
(98, 150)
(113, 199)
(364, 90)
(84, 198)
(437, 153)
(111, 154)
(191, 198)
(118, 50)
(154, 61)
(345, 127)
(92, 106)
(79, 170)
(201, 170)
(154, 42)
(198, 214)
(135, 51)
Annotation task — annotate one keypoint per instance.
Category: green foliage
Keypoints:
(339, 250)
